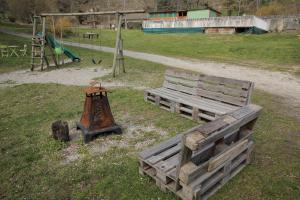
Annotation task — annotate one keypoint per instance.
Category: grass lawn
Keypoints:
(277, 52)
(14, 63)
(34, 166)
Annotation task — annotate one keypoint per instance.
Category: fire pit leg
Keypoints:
(90, 135)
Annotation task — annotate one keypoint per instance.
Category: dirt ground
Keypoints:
(65, 76)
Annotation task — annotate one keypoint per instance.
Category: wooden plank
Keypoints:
(194, 139)
(236, 92)
(195, 142)
(166, 165)
(160, 147)
(164, 155)
(227, 155)
(181, 81)
(185, 74)
(196, 99)
(190, 172)
(181, 88)
(244, 111)
(187, 110)
(197, 137)
(238, 161)
(239, 101)
(212, 182)
(250, 91)
(213, 126)
(177, 101)
(184, 157)
(225, 81)
(203, 104)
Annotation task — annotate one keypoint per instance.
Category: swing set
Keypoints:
(42, 40)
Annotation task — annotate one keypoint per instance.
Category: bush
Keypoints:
(12, 19)
(273, 8)
(63, 25)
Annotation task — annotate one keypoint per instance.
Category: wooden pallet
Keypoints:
(200, 97)
(195, 164)
(201, 182)
(189, 107)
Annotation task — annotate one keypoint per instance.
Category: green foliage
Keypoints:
(273, 8)
(24, 10)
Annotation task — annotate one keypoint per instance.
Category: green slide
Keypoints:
(56, 45)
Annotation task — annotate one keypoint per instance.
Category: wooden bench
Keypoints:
(198, 96)
(195, 164)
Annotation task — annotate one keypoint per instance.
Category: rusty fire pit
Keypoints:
(97, 118)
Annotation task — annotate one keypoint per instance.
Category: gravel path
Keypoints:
(66, 76)
(282, 84)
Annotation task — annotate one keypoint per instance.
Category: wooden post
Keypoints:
(184, 157)
(122, 55)
(32, 45)
(118, 37)
(43, 41)
(125, 22)
(61, 46)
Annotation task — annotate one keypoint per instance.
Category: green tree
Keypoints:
(25, 9)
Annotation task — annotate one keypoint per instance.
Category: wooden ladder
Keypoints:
(38, 45)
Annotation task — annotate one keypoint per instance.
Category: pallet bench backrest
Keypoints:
(230, 91)
(240, 122)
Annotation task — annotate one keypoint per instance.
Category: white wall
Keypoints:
(211, 22)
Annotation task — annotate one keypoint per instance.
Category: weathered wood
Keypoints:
(230, 153)
(184, 157)
(117, 46)
(213, 126)
(160, 147)
(249, 113)
(234, 83)
(195, 99)
(181, 88)
(210, 154)
(208, 96)
(179, 73)
(239, 101)
(207, 109)
(168, 153)
(181, 81)
(60, 131)
(236, 92)
(207, 183)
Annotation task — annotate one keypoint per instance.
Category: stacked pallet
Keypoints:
(195, 164)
